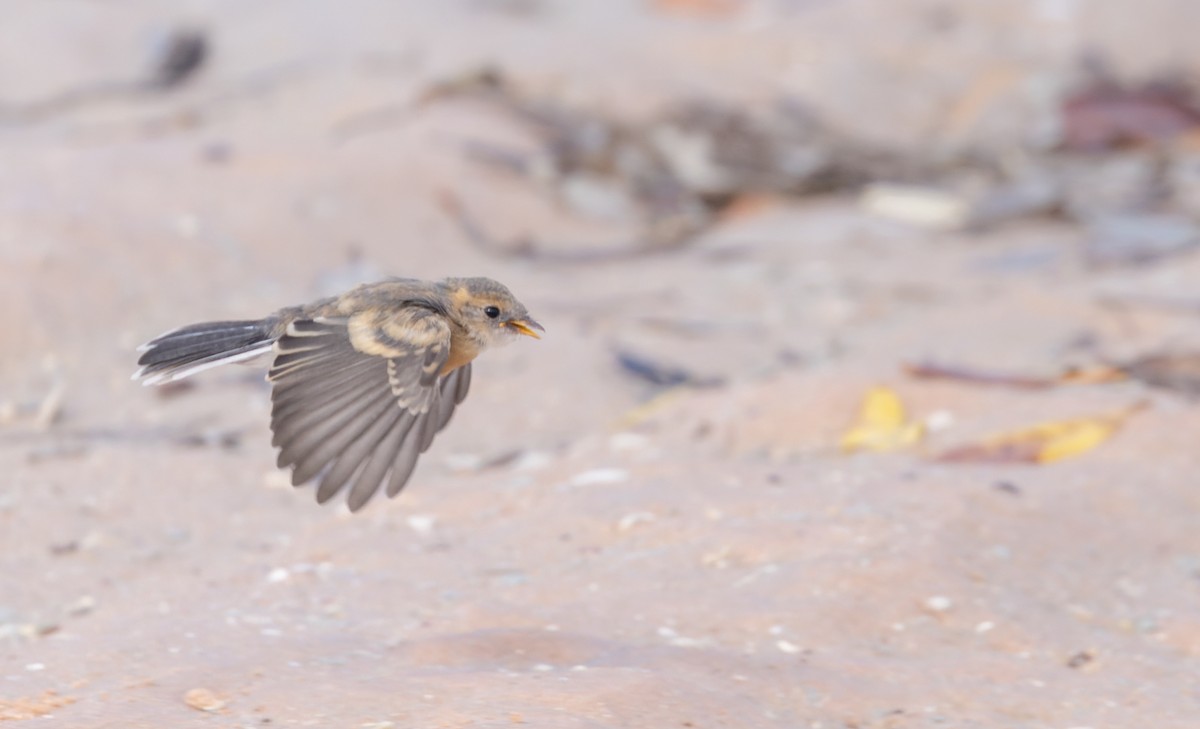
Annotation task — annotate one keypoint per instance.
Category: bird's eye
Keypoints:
(492, 311)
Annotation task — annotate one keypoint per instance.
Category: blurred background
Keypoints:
(866, 399)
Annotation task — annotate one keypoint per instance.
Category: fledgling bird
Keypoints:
(360, 383)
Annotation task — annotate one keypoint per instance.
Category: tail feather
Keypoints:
(187, 350)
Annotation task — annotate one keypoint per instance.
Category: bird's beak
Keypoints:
(526, 327)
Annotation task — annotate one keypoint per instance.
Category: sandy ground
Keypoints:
(566, 556)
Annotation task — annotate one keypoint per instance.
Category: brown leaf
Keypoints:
(1097, 375)
(1109, 116)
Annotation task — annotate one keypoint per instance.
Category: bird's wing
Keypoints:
(356, 399)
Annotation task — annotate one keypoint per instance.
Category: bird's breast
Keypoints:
(463, 349)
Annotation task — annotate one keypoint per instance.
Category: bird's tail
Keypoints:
(191, 349)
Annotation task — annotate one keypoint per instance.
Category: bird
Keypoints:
(360, 382)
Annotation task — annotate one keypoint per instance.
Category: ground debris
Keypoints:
(1106, 114)
(675, 173)
(882, 424)
(177, 54)
(203, 699)
(1176, 371)
(32, 708)
(977, 376)
(659, 373)
(73, 443)
(42, 413)
(1080, 660)
(1135, 239)
(926, 207)
(1045, 442)
(1122, 167)
(174, 56)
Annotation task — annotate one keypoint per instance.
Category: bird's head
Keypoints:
(488, 311)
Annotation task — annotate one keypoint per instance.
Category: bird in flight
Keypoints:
(360, 383)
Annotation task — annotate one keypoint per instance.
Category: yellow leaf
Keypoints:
(1074, 438)
(882, 424)
(1044, 443)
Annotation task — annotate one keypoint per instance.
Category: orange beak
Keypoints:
(526, 327)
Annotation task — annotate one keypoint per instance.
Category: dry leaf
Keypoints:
(1044, 443)
(1110, 116)
(1097, 375)
(747, 205)
(882, 424)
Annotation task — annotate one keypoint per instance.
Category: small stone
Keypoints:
(924, 207)
(939, 420)
(203, 699)
(532, 461)
(599, 476)
(629, 521)
(422, 523)
(1080, 659)
(464, 461)
(939, 603)
(82, 606)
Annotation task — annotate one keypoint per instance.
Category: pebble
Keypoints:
(629, 521)
(422, 523)
(939, 603)
(599, 476)
(924, 207)
(203, 699)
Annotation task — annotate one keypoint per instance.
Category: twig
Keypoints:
(957, 373)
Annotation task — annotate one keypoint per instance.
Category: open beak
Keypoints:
(526, 327)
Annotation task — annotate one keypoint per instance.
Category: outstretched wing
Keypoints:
(356, 399)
